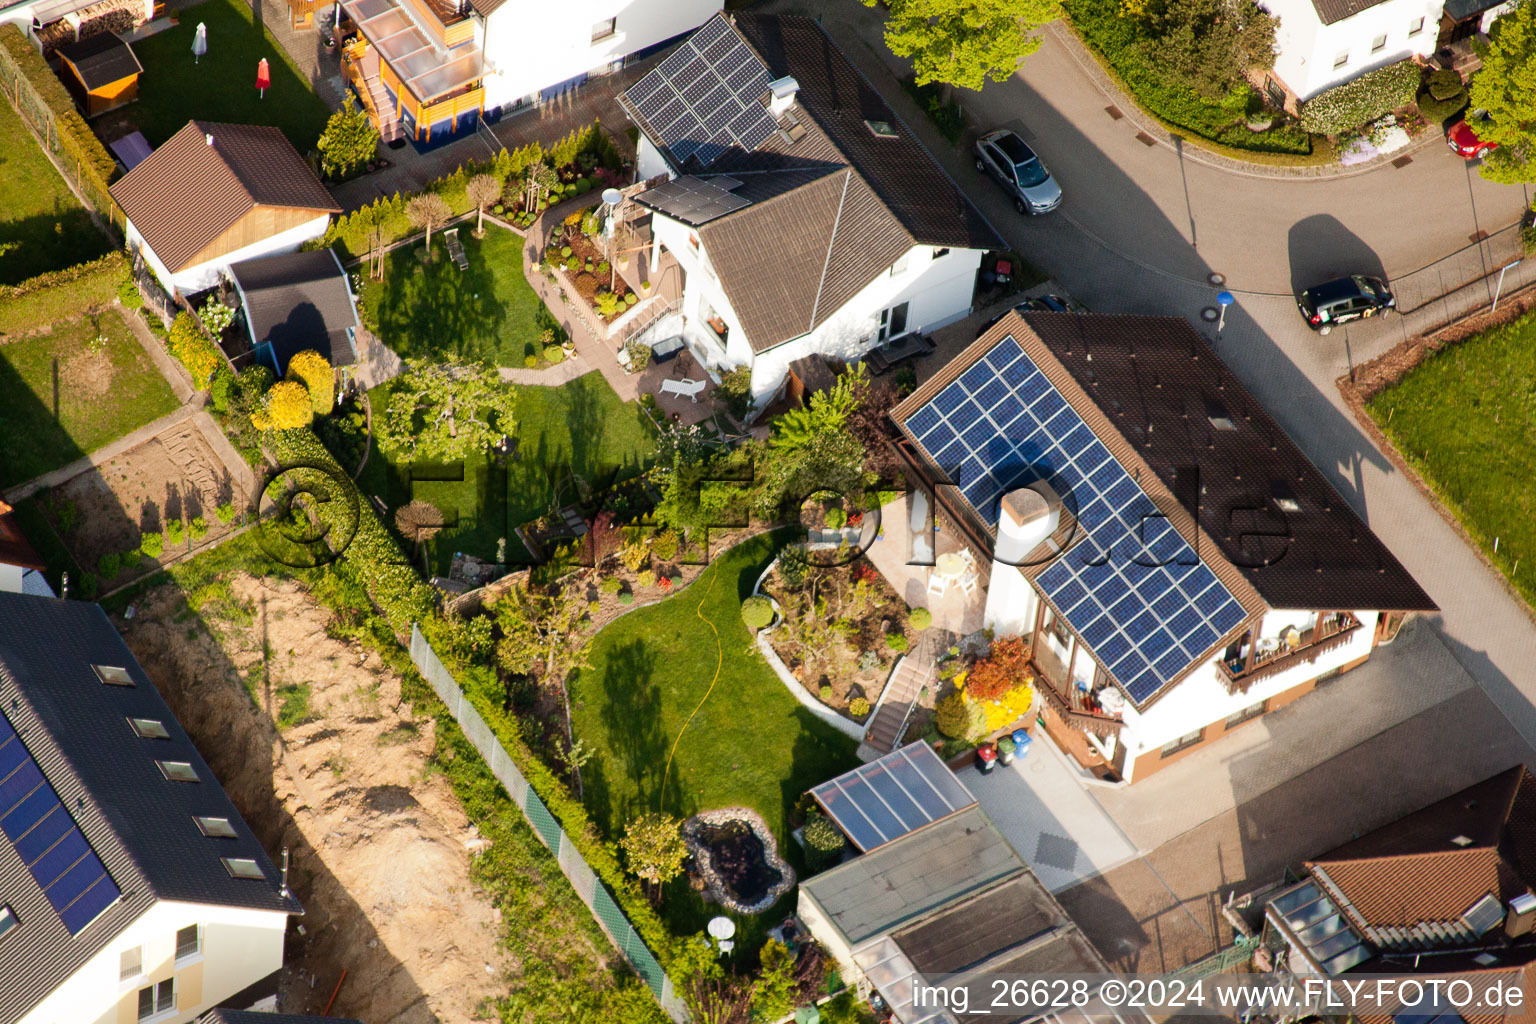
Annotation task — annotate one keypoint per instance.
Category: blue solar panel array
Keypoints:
(705, 98)
(1131, 587)
(47, 838)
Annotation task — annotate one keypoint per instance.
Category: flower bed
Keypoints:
(582, 261)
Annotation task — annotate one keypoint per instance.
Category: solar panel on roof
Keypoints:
(47, 839)
(1002, 425)
(705, 98)
(892, 796)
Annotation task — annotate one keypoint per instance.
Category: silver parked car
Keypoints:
(1004, 155)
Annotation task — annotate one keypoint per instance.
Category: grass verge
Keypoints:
(43, 227)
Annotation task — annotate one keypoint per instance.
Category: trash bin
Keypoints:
(1021, 742)
(986, 758)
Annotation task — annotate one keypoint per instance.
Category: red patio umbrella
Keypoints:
(263, 77)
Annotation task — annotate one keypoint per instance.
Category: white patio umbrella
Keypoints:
(199, 43)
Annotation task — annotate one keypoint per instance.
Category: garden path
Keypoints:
(551, 376)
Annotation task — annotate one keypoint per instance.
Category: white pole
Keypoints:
(1500, 286)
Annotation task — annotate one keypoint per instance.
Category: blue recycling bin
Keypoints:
(1021, 742)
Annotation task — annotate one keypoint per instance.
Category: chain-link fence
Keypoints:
(582, 878)
(1464, 281)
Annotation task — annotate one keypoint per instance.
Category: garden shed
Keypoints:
(296, 301)
(101, 72)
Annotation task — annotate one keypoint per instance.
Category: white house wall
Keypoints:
(239, 948)
(531, 46)
(648, 160)
(1306, 48)
(1201, 698)
(206, 275)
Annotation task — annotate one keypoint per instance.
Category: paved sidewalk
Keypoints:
(1050, 817)
(101, 455)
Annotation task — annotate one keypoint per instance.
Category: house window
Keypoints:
(1341, 60)
(132, 963)
(1183, 742)
(1415, 26)
(156, 1000)
(1379, 43)
(1250, 712)
(893, 321)
(900, 266)
(188, 942)
(605, 28)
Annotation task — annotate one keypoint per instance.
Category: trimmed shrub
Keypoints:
(611, 585)
(1444, 84)
(1362, 100)
(108, 564)
(285, 407)
(756, 612)
(626, 597)
(858, 707)
(531, 361)
(1437, 110)
(553, 354)
(823, 836)
(61, 294)
(314, 371)
(152, 545)
(958, 718)
(219, 388)
(921, 618)
(645, 578)
(826, 694)
(896, 641)
(194, 350)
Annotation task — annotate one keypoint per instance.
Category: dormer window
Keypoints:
(1285, 498)
(1217, 414)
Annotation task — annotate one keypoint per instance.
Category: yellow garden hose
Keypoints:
(719, 664)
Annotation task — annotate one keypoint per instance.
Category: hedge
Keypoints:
(349, 235)
(1362, 100)
(61, 294)
(94, 166)
(403, 598)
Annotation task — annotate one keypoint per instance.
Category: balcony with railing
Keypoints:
(1249, 660)
(1077, 709)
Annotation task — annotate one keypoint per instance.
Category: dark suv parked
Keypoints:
(1348, 298)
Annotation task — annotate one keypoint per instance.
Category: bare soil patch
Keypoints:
(381, 846)
(87, 373)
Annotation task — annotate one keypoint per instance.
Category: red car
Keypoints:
(1465, 143)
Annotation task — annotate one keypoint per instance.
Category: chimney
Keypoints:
(209, 137)
(782, 93)
(1026, 517)
(1521, 915)
(284, 889)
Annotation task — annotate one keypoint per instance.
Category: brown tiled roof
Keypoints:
(791, 262)
(1330, 12)
(186, 192)
(1160, 384)
(14, 548)
(1414, 870)
(839, 99)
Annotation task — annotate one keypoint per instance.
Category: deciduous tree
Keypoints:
(445, 411)
(965, 42)
(483, 190)
(428, 210)
(1209, 44)
(654, 847)
(1506, 89)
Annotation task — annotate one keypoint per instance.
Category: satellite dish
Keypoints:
(721, 928)
(612, 196)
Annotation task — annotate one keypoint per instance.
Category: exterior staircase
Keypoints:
(887, 728)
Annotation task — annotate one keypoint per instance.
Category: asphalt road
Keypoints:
(1143, 226)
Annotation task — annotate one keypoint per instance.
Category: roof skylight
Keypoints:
(178, 771)
(215, 828)
(149, 728)
(8, 921)
(243, 867)
(881, 129)
(116, 675)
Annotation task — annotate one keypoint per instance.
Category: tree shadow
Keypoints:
(1322, 249)
(433, 310)
(637, 744)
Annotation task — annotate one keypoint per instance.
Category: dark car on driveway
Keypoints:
(1005, 156)
(1348, 298)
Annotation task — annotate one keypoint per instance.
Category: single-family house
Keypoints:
(130, 888)
(216, 194)
(1176, 564)
(21, 568)
(802, 214)
(936, 896)
(297, 301)
(1446, 892)
(101, 72)
(430, 70)
(1320, 44)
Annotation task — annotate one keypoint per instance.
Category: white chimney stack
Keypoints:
(782, 92)
(209, 137)
(1026, 517)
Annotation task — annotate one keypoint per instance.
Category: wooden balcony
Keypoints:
(1075, 709)
(1243, 665)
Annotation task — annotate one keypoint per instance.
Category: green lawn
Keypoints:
(52, 417)
(222, 86)
(578, 429)
(1464, 420)
(488, 313)
(42, 226)
(751, 743)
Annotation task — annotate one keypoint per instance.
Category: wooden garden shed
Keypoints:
(101, 72)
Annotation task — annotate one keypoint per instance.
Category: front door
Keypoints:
(893, 322)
